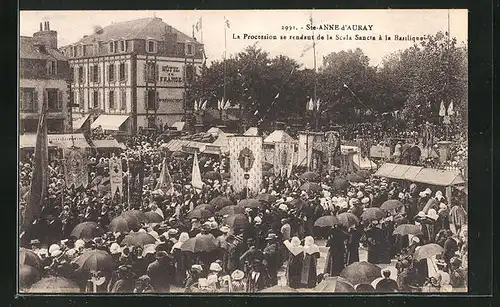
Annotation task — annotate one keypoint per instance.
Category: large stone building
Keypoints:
(43, 77)
(132, 74)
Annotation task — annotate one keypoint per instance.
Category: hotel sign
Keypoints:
(171, 74)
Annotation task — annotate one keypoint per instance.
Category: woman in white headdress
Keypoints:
(294, 264)
(309, 263)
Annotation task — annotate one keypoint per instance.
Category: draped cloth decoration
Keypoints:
(283, 155)
(76, 167)
(115, 176)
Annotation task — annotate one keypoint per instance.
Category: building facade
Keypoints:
(43, 78)
(132, 74)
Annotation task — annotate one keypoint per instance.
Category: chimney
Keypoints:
(46, 36)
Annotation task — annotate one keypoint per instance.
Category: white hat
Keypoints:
(148, 249)
(353, 201)
(343, 204)
(154, 234)
(115, 248)
(53, 248)
(415, 239)
(56, 253)
(283, 207)
(224, 229)
(401, 195)
(350, 194)
(71, 252)
(432, 214)
(79, 243)
(421, 214)
(214, 266)
(142, 230)
(257, 220)
(428, 191)
(335, 200)
(365, 200)
(237, 275)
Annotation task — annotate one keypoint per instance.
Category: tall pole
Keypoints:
(315, 76)
(201, 29)
(225, 47)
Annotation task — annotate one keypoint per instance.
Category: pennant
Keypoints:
(196, 175)
(38, 189)
(198, 25)
(256, 112)
(219, 103)
(318, 104)
(165, 181)
(75, 167)
(442, 109)
(310, 105)
(277, 95)
(204, 105)
(450, 109)
(115, 176)
(227, 105)
(195, 106)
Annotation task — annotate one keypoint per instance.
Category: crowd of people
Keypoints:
(216, 240)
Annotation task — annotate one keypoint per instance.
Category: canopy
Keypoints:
(109, 122)
(222, 142)
(108, 144)
(363, 163)
(179, 125)
(278, 136)
(55, 140)
(79, 121)
(420, 174)
(252, 131)
(215, 131)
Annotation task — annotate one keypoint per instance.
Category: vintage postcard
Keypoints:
(269, 151)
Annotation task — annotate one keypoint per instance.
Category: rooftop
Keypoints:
(28, 49)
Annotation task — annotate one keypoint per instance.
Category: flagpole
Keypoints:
(201, 28)
(315, 75)
(128, 182)
(225, 48)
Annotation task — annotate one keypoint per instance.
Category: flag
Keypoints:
(227, 105)
(196, 105)
(310, 105)
(442, 109)
(196, 175)
(165, 181)
(198, 25)
(204, 105)
(345, 85)
(256, 112)
(115, 176)
(38, 191)
(227, 24)
(450, 109)
(75, 169)
(219, 104)
(277, 95)
(318, 104)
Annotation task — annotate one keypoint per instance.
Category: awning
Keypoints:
(55, 140)
(420, 174)
(108, 144)
(109, 122)
(212, 150)
(78, 122)
(252, 131)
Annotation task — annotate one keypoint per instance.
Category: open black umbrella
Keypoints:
(297, 203)
(28, 257)
(139, 215)
(120, 224)
(28, 275)
(334, 284)
(54, 284)
(95, 260)
(221, 201)
(230, 210)
(153, 217)
(309, 176)
(199, 244)
(236, 221)
(200, 214)
(138, 239)
(311, 187)
(266, 197)
(370, 214)
(326, 221)
(361, 272)
(340, 184)
(391, 204)
(87, 231)
(354, 178)
(348, 219)
(208, 207)
(407, 229)
(250, 203)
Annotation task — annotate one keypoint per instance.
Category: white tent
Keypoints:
(252, 131)
(278, 136)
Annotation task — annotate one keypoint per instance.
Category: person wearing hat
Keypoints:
(252, 254)
(374, 237)
(122, 280)
(458, 276)
(354, 236)
(236, 248)
(272, 257)
(237, 283)
(161, 272)
(143, 285)
(213, 277)
(223, 246)
(257, 278)
(387, 284)
(308, 275)
(294, 262)
(181, 259)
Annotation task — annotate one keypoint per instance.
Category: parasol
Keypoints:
(334, 284)
(427, 251)
(95, 260)
(370, 214)
(391, 204)
(138, 239)
(407, 229)
(87, 231)
(200, 214)
(250, 203)
(361, 272)
(326, 221)
(230, 210)
(153, 217)
(54, 284)
(347, 219)
(199, 244)
(309, 176)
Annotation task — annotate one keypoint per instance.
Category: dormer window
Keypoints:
(113, 47)
(151, 46)
(51, 67)
(123, 46)
(73, 51)
(189, 49)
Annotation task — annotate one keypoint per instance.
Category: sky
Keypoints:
(73, 25)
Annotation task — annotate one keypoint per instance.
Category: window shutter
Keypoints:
(146, 99)
(157, 101)
(157, 72)
(98, 73)
(44, 101)
(91, 73)
(35, 100)
(116, 71)
(75, 75)
(145, 72)
(126, 72)
(99, 105)
(59, 100)
(84, 74)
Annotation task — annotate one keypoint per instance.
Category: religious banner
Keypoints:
(75, 170)
(245, 157)
(165, 181)
(115, 176)
(283, 154)
(332, 141)
(196, 181)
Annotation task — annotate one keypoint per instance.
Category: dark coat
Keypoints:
(374, 237)
(259, 284)
(272, 257)
(353, 239)
(335, 259)
(309, 270)
(160, 274)
(387, 285)
(294, 269)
